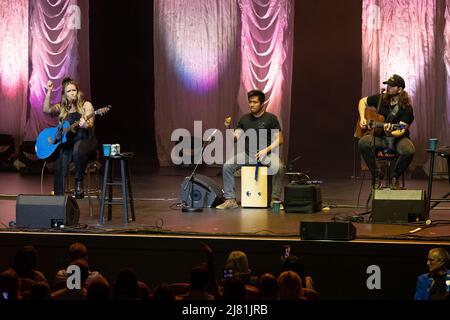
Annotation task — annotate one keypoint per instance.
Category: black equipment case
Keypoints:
(302, 198)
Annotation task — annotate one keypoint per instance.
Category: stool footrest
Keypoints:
(114, 183)
(114, 202)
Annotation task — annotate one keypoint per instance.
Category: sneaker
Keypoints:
(395, 184)
(228, 204)
(378, 185)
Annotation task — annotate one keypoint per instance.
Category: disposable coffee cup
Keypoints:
(432, 143)
(276, 205)
(106, 150)
(115, 149)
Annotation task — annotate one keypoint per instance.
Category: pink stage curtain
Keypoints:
(406, 38)
(209, 53)
(59, 47)
(52, 38)
(13, 66)
(197, 66)
(267, 37)
(446, 122)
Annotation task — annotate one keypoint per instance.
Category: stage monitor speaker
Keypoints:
(206, 192)
(399, 206)
(43, 211)
(327, 230)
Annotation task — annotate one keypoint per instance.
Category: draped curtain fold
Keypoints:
(210, 53)
(197, 66)
(446, 122)
(410, 38)
(267, 56)
(58, 29)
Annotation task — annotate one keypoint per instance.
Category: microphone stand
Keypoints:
(191, 180)
(372, 192)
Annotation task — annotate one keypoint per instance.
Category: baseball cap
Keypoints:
(395, 81)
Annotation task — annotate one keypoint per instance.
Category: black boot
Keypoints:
(395, 184)
(79, 193)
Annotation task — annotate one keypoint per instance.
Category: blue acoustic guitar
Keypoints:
(50, 138)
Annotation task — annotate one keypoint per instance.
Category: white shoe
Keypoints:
(228, 204)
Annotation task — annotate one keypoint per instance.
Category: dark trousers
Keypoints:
(403, 146)
(80, 151)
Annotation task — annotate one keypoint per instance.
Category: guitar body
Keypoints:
(371, 115)
(49, 139)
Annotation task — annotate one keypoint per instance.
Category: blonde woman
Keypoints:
(81, 144)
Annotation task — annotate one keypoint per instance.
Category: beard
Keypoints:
(393, 94)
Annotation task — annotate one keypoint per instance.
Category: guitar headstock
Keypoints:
(103, 111)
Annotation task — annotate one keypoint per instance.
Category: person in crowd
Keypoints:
(76, 251)
(435, 284)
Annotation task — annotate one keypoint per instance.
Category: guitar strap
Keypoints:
(390, 118)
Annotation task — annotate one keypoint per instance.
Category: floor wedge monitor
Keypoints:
(45, 211)
(327, 230)
(398, 206)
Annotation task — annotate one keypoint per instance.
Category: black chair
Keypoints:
(92, 188)
(7, 149)
(388, 157)
(92, 173)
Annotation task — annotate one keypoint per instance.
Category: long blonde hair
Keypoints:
(64, 106)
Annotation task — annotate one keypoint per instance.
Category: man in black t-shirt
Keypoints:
(262, 133)
(396, 108)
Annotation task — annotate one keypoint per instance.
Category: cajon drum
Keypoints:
(254, 186)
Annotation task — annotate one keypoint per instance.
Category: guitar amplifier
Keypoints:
(302, 198)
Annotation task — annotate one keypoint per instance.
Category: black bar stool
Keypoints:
(389, 157)
(124, 182)
(445, 153)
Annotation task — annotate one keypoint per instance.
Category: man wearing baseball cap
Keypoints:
(395, 106)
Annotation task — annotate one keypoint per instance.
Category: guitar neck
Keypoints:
(74, 125)
(375, 124)
(101, 112)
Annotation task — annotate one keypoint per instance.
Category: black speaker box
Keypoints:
(206, 193)
(397, 206)
(327, 230)
(302, 198)
(42, 211)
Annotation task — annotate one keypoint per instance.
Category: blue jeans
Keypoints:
(232, 165)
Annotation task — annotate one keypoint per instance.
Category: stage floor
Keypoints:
(157, 203)
(164, 243)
